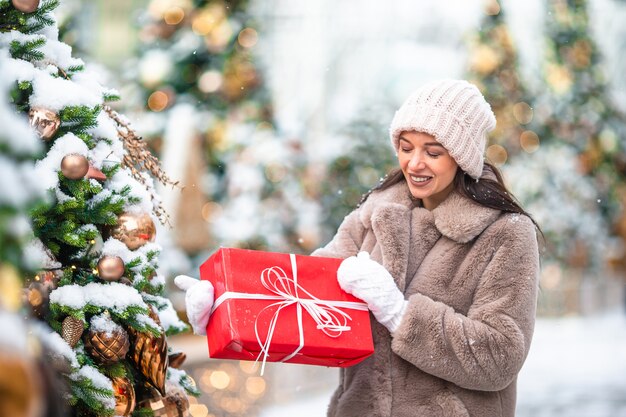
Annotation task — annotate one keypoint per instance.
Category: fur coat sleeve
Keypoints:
(485, 348)
(347, 241)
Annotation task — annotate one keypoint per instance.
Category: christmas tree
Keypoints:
(198, 77)
(98, 286)
(575, 106)
(366, 156)
(493, 67)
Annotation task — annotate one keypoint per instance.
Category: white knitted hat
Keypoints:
(455, 113)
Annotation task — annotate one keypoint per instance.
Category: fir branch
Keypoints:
(79, 119)
(92, 396)
(28, 51)
(41, 17)
(143, 412)
(138, 159)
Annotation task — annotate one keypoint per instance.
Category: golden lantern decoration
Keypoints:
(72, 330)
(124, 396)
(134, 229)
(111, 268)
(107, 346)
(45, 121)
(149, 354)
(74, 166)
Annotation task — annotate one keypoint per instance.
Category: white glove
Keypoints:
(199, 298)
(371, 282)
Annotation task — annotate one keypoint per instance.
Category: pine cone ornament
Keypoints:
(106, 341)
(149, 354)
(72, 330)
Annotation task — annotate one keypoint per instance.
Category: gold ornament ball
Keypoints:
(26, 6)
(46, 122)
(111, 268)
(124, 396)
(134, 229)
(74, 166)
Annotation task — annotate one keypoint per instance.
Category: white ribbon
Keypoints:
(327, 314)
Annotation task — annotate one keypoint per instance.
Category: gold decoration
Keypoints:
(107, 347)
(25, 6)
(38, 291)
(149, 354)
(138, 159)
(163, 406)
(10, 288)
(110, 268)
(46, 122)
(134, 230)
(21, 391)
(176, 359)
(484, 60)
(96, 174)
(124, 396)
(72, 330)
(74, 166)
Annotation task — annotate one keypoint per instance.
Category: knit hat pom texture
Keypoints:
(455, 113)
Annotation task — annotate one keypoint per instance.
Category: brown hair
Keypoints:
(488, 191)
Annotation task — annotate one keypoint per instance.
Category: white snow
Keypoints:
(98, 380)
(37, 256)
(55, 343)
(104, 323)
(114, 296)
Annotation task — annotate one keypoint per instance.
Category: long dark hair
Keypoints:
(488, 191)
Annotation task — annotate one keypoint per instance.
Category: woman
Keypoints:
(447, 262)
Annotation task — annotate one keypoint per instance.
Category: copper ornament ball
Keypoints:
(25, 6)
(111, 268)
(74, 166)
(46, 122)
(107, 347)
(134, 229)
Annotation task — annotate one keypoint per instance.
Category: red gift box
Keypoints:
(280, 307)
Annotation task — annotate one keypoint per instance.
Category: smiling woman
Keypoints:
(447, 263)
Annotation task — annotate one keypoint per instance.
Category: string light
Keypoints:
(529, 141)
(497, 154)
(158, 101)
(248, 37)
(523, 113)
(174, 15)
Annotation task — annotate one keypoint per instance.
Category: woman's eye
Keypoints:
(406, 150)
(433, 155)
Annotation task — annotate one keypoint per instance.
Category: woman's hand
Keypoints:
(371, 282)
(199, 298)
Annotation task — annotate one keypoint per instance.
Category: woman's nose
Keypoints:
(416, 162)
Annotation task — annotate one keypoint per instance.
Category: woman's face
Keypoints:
(427, 166)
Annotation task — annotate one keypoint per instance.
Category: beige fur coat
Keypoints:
(470, 274)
